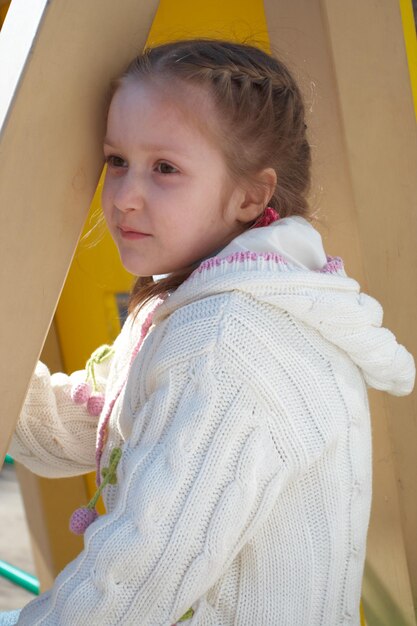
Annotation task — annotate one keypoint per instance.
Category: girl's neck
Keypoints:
(157, 277)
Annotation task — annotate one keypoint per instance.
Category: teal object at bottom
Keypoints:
(19, 577)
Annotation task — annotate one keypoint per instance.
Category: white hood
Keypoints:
(284, 264)
(292, 237)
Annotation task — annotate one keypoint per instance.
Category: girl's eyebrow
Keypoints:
(169, 150)
(150, 147)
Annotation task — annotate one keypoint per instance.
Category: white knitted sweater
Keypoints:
(244, 488)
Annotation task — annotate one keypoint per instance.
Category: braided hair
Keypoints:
(260, 113)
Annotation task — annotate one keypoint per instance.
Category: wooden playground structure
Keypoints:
(357, 66)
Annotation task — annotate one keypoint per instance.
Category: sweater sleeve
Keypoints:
(54, 436)
(199, 474)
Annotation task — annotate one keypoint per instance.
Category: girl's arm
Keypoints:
(199, 474)
(55, 436)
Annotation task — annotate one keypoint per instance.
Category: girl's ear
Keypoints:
(257, 196)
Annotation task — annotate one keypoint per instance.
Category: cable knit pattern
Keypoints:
(244, 486)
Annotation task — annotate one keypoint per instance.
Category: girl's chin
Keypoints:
(145, 267)
(133, 266)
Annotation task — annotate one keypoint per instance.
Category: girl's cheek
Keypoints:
(107, 193)
(104, 203)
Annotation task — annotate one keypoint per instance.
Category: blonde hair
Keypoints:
(261, 115)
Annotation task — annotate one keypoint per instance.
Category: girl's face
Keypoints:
(168, 199)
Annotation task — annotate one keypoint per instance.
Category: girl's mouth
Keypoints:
(126, 233)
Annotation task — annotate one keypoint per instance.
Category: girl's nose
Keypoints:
(129, 195)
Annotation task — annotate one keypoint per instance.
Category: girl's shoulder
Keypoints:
(231, 325)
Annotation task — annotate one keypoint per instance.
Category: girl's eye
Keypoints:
(115, 161)
(166, 168)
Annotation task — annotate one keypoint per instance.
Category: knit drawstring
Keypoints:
(84, 516)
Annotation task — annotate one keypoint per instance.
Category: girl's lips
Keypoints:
(131, 234)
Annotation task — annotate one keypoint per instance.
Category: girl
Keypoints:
(233, 449)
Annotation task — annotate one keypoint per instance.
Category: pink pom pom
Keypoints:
(267, 217)
(80, 393)
(81, 520)
(95, 404)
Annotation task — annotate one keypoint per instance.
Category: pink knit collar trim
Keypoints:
(334, 264)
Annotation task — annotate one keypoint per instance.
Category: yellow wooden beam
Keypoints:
(87, 314)
(409, 27)
(238, 20)
(4, 7)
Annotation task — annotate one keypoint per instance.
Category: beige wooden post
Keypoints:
(56, 60)
(381, 138)
(351, 61)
